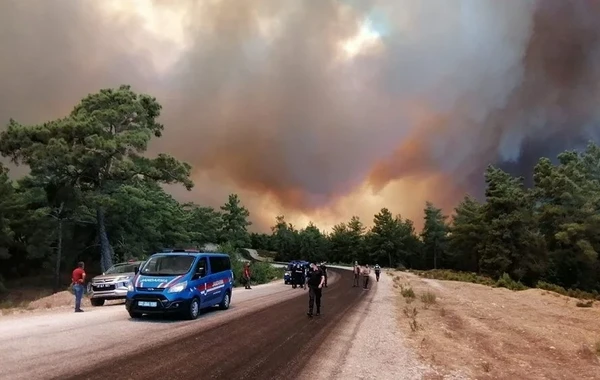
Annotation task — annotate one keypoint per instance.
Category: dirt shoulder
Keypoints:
(367, 344)
(495, 333)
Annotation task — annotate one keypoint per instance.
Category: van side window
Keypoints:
(201, 265)
(220, 264)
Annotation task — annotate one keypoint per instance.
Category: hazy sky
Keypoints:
(322, 109)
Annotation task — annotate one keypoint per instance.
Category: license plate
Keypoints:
(147, 304)
(102, 285)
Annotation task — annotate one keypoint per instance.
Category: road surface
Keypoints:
(60, 342)
(272, 343)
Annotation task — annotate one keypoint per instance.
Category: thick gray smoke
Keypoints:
(261, 97)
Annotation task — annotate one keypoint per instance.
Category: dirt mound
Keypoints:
(57, 300)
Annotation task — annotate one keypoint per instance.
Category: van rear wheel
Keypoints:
(224, 305)
(193, 310)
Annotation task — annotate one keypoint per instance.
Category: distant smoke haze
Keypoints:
(321, 110)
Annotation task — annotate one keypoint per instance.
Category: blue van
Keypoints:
(180, 282)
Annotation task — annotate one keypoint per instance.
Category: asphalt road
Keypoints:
(272, 343)
(61, 342)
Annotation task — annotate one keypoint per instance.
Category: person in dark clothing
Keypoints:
(294, 276)
(377, 271)
(315, 280)
(299, 275)
(324, 270)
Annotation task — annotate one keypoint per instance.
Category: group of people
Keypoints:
(299, 273)
(366, 273)
(314, 279)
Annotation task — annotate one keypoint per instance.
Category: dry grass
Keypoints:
(496, 333)
(428, 299)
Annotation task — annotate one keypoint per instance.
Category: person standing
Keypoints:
(356, 274)
(294, 276)
(78, 281)
(377, 271)
(366, 274)
(247, 274)
(315, 280)
(324, 270)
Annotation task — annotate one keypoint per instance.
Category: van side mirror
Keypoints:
(136, 270)
(200, 273)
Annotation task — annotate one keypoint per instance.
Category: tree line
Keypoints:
(548, 232)
(92, 194)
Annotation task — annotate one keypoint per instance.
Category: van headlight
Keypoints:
(178, 287)
(130, 287)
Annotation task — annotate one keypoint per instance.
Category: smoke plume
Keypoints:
(322, 109)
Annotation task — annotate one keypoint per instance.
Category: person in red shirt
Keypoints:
(247, 275)
(78, 280)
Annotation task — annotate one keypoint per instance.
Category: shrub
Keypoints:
(428, 298)
(449, 275)
(261, 272)
(589, 303)
(408, 293)
(506, 282)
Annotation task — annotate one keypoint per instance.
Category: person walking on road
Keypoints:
(366, 274)
(315, 281)
(377, 271)
(77, 281)
(247, 275)
(324, 270)
(356, 274)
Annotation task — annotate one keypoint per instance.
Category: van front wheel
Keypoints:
(193, 310)
(224, 305)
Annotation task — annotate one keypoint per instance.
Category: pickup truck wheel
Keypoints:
(97, 301)
(193, 310)
(224, 305)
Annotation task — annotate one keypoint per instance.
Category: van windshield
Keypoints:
(171, 265)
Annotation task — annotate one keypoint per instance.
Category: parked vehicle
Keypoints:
(181, 282)
(112, 284)
(301, 265)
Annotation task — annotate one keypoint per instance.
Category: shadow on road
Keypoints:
(174, 318)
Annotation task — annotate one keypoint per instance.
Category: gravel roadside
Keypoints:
(32, 347)
(368, 344)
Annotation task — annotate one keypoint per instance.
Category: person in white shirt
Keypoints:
(366, 274)
(356, 274)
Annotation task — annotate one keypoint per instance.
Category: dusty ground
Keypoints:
(495, 333)
(368, 345)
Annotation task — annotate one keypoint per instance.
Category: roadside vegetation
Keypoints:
(94, 194)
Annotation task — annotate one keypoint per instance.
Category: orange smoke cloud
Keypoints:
(322, 110)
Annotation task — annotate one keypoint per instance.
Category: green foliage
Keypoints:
(93, 194)
(434, 235)
(235, 223)
(506, 282)
(450, 275)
